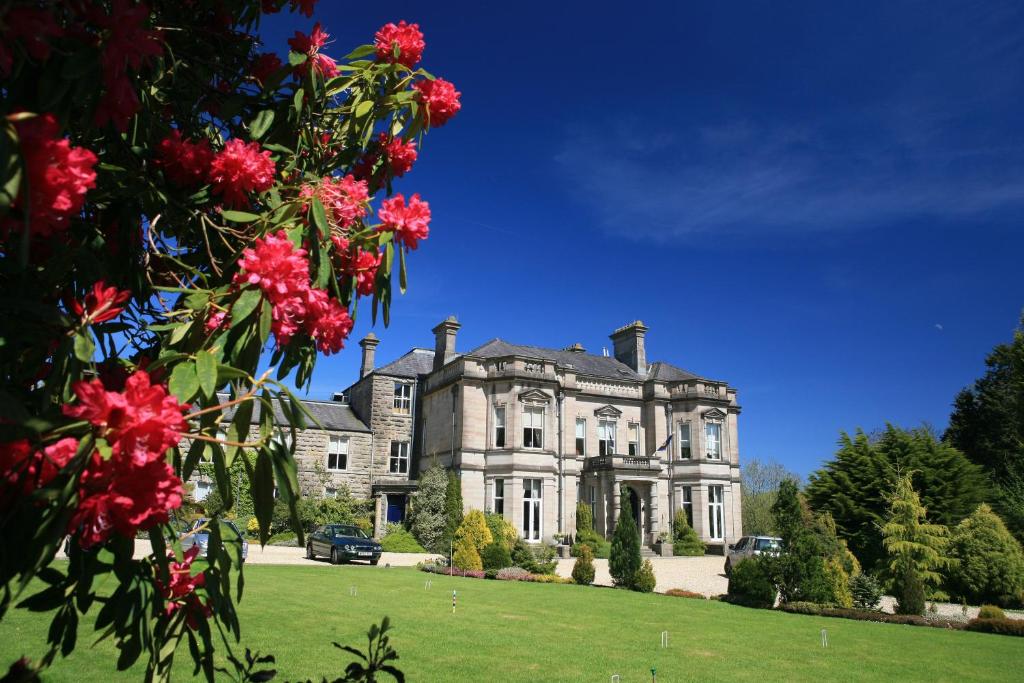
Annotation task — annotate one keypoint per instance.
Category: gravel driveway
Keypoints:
(703, 575)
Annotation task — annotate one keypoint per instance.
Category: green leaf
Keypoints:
(298, 99)
(319, 216)
(402, 277)
(296, 58)
(263, 493)
(266, 317)
(363, 108)
(360, 51)
(183, 382)
(206, 372)
(180, 330)
(239, 216)
(261, 124)
(84, 347)
(246, 303)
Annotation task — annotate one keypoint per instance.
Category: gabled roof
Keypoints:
(332, 415)
(665, 372)
(584, 363)
(413, 364)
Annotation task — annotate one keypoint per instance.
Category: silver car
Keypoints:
(749, 546)
(198, 534)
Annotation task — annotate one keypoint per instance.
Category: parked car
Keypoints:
(342, 543)
(201, 538)
(748, 546)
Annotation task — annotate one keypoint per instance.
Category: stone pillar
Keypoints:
(652, 513)
(616, 494)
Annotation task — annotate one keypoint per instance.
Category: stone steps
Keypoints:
(647, 551)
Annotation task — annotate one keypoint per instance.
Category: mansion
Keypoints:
(531, 432)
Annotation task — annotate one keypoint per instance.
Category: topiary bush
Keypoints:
(989, 560)
(865, 591)
(750, 584)
(496, 556)
(625, 556)
(991, 612)
(398, 540)
(583, 571)
(644, 580)
(685, 541)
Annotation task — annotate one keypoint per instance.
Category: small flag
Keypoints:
(664, 446)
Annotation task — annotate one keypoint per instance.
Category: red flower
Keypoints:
(127, 45)
(265, 66)
(180, 591)
(185, 163)
(310, 46)
(327, 321)
(23, 470)
(441, 99)
(36, 27)
(118, 104)
(344, 199)
(101, 304)
(59, 175)
(400, 155)
(305, 7)
(407, 37)
(240, 168)
(410, 223)
(360, 264)
(140, 423)
(282, 272)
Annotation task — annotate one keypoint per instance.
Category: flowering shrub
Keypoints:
(512, 574)
(174, 193)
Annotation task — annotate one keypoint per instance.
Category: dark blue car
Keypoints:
(342, 543)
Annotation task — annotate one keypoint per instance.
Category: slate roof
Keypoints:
(585, 363)
(666, 372)
(413, 364)
(332, 415)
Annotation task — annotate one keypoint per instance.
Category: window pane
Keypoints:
(581, 428)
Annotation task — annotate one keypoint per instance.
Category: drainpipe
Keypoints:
(561, 468)
(671, 471)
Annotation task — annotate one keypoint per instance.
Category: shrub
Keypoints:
(865, 591)
(584, 519)
(496, 556)
(750, 584)
(539, 561)
(839, 582)
(512, 574)
(428, 515)
(452, 507)
(583, 570)
(990, 561)
(365, 524)
(866, 615)
(398, 540)
(547, 578)
(684, 538)
(466, 555)
(491, 574)
(501, 529)
(598, 546)
(625, 556)
(1007, 627)
(474, 529)
(991, 612)
(644, 581)
(680, 593)
(803, 607)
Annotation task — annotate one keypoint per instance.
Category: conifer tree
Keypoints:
(625, 557)
(989, 561)
(474, 528)
(916, 548)
(429, 518)
(453, 507)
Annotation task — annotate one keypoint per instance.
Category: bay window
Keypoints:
(713, 440)
(533, 427)
(716, 513)
(532, 509)
(499, 427)
(581, 436)
(499, 496)
(634, 439)
(606, 437)
(684, 440)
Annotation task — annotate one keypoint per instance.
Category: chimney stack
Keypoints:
(369, 344)
(629, 346)
(444, 341)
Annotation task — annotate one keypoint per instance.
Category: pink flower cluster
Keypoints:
(240, 168)
(185, 163)
(282, 273)
(407, 37)
(310, 46)
(127, 45)
(410, 222)
(135, 487)
(357, 263)
(180, 590)
(59, 175)
(344, 199)
(441, 99)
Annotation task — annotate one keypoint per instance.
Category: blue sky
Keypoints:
(818, 202)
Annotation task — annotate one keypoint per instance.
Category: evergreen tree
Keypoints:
(466, 556)
(583, 571)
(625, 557)
(684, 539)
(429, 515)
(474, 528)
(916, 548)
(584, 519)
(452, 506)
(989, 561)
(987, 424)
(852, 486)
(799, 568)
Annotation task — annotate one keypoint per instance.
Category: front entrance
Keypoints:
(396, 508)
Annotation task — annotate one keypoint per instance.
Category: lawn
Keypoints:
(530, 632)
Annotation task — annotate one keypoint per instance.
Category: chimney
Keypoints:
(629, 346)
(369, 344)
(444, 341)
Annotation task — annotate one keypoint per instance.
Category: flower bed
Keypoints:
(506, 574)
(868, 615)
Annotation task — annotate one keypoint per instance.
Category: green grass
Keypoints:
(529, 632)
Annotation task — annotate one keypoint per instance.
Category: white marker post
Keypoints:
(453, 602)
(664, 638)
(353, 591)
(824, 638)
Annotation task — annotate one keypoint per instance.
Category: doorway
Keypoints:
(396, 508)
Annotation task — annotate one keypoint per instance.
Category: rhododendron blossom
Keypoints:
(327, 321)
(264, 66)
(310, 46)
(59, 175)
(240, 168)
(407, 37)
(128, 45)
(282, 272)
(24, 469)
(400, 155)
(410, 222)
(344, 199)
(185, 163)
(180, 590)
(441, 99)
(361, 265)
(102, 303)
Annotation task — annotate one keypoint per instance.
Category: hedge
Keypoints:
(1006, 627)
